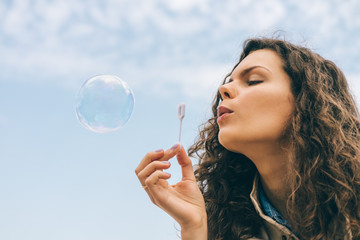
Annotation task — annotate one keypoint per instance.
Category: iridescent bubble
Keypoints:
(104, 103)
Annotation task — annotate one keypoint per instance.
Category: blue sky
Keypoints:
(59, 181)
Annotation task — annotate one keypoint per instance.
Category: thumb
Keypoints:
(186, 165)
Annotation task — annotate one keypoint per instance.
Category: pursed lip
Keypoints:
(222, 110)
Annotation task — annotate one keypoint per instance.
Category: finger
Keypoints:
(149, 157)
(158, 155)
(151, 168)
(171, 152)
(152, 183)
(186, 165)
(154, 179)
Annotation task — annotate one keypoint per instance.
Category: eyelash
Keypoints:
(254, 82)
(250, 83)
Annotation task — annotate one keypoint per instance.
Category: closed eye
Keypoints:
(254, 82)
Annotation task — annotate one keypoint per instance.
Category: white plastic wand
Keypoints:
(181, 115)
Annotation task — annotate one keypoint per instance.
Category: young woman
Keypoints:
(279, 159)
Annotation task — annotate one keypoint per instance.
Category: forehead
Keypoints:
(263, 57)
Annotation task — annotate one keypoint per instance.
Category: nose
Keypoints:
(226, 91)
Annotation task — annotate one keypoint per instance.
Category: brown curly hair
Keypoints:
(324, 150)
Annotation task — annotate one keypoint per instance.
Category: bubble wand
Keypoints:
(181, 115)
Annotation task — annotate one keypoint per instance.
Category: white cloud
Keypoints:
(268, 14)
(152, 39)
(186, 5)
(327, 18)
(201, 82)
(16, 18)
(354, 85)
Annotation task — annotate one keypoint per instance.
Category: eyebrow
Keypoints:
(249, 69)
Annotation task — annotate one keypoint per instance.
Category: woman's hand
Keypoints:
(183, 201)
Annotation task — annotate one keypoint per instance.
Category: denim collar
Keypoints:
(269, 210)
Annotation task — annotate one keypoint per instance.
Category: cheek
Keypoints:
(277, 111)
(261, 116)
(267, 113)
(229, 139)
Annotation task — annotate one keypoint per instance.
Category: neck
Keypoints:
(272, 165)
(277, 191)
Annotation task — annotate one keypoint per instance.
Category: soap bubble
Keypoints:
(104, 103)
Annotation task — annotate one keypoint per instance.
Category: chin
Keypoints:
(220, 139)
(226, 143)
(232, 144)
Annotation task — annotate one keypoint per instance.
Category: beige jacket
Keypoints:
(273, 230)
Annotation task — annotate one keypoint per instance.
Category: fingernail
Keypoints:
(166, 162)
(174, 147)
(159, 150)
(168, 174)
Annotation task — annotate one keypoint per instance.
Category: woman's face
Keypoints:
(257, 103)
